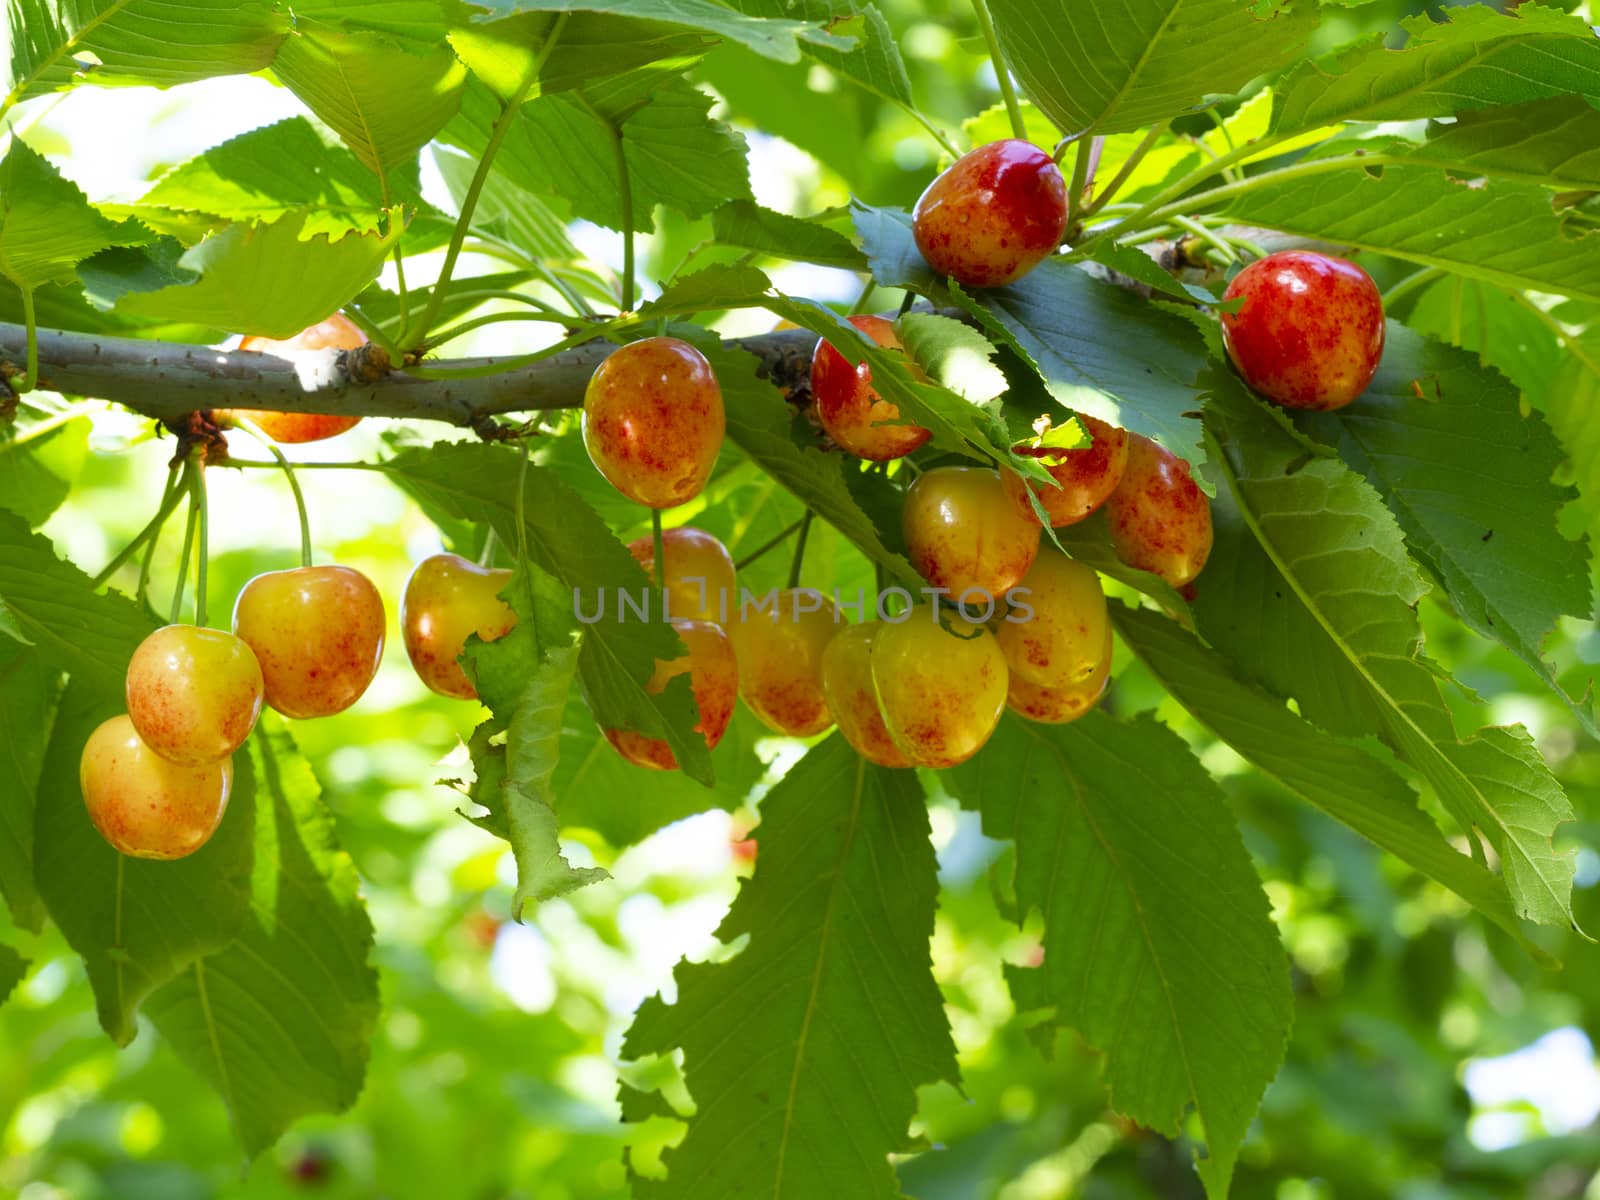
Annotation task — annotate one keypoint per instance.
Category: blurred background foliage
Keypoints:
(1431, 1057)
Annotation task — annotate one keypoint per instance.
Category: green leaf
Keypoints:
(1108, 71)
(47, 226)
(1343, 781)
(1158, 948)
(1504, 331)
(1310, 592)
(56, 44)
(267, 279)
(514, 215)
(891, 249)
(1140, 267)
(1089, 542)
(1573, 409)
(775, 39)
(386, 102)
(748, 226)
(1468, 477)
(136, 923)
(874, 62)
(1555, 141)
(39, 461)
(91, 636)
(278, 1020)
(273, 172)
(1476, 58)
(1496, 230)
(804, 1051)
(27, 708)
(13, 969)
(418, 22)
(953, 354)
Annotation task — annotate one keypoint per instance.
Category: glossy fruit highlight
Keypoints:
(993, 215)
(1061, 640)
(780, 659)
(965, 534)
(317, 633)
(446, 600)
(145, 805)
(852, 699)
(338, 332)
(1160, 519)
(941, 686)
(653, 421)
(699, 576)
(714, 678)
(1085, 477)
(1057, 706)
(1309, 333)
(850, 409)
(193, 694)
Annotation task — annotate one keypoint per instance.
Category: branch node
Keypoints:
(198, 434)
(490, 430)
(365, 364)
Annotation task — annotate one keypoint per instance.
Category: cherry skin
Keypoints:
(852, 699)
(653, 421)
(780, 659)
(1309, 333)
(145, 805)
(700, 579)
(447, 599)
(964, 533)
(941, 686)
(1085, 477)
(852, 412)
(318, 634)
(1061, 641)
(714, 679)
(193, 694)
(1160, 519)
(1057, 706)
(993, 215)
(338, 332)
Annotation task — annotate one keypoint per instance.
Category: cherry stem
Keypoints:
(800, 550)
(658, 548)
(490, 541)
(260, 435)
(771, 543)
(1008, 92)
(1080, 176)
(197, 481)
(183, 555)
(169, 501)
(1124, 172)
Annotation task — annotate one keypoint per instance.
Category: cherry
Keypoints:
(1160, 519)
(852, 412)
(318, 634)
(1085, 477)
(993, 215)
(964, 534)
(193, 694)
(853, 701)
(1309, 333)
(941, 684)
(700, 580)
(714, 679)
(446, 599)
(1060, 643)
(653, 421)
(780, 649)
(338, 332)
(1057, 706)
(146, 805)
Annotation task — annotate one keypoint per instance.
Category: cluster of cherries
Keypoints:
(925, 688)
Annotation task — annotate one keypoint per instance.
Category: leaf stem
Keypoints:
(260, 435)
(1008, 91)
(27, 383)
(1124, 172)
(466, 327)
(169, 501)
(799, 558)
(771, 543)
(501, 365)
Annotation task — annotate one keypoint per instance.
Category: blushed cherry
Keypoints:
(1309, 331)
(941, 685)
(714, 679)
(145, 805)
(1058, 706)
(1160, 519)
(1085, 477)
(993, 215)
(338, 332)
(850, 409)
(317, 633)
(963, 533)
(779, 647)
(699, 576)
(653, 421)
(193, 693)
(447, 599)
(1056, 633)
(852, 699)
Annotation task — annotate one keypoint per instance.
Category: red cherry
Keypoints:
(993, 215)
(852, 412)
